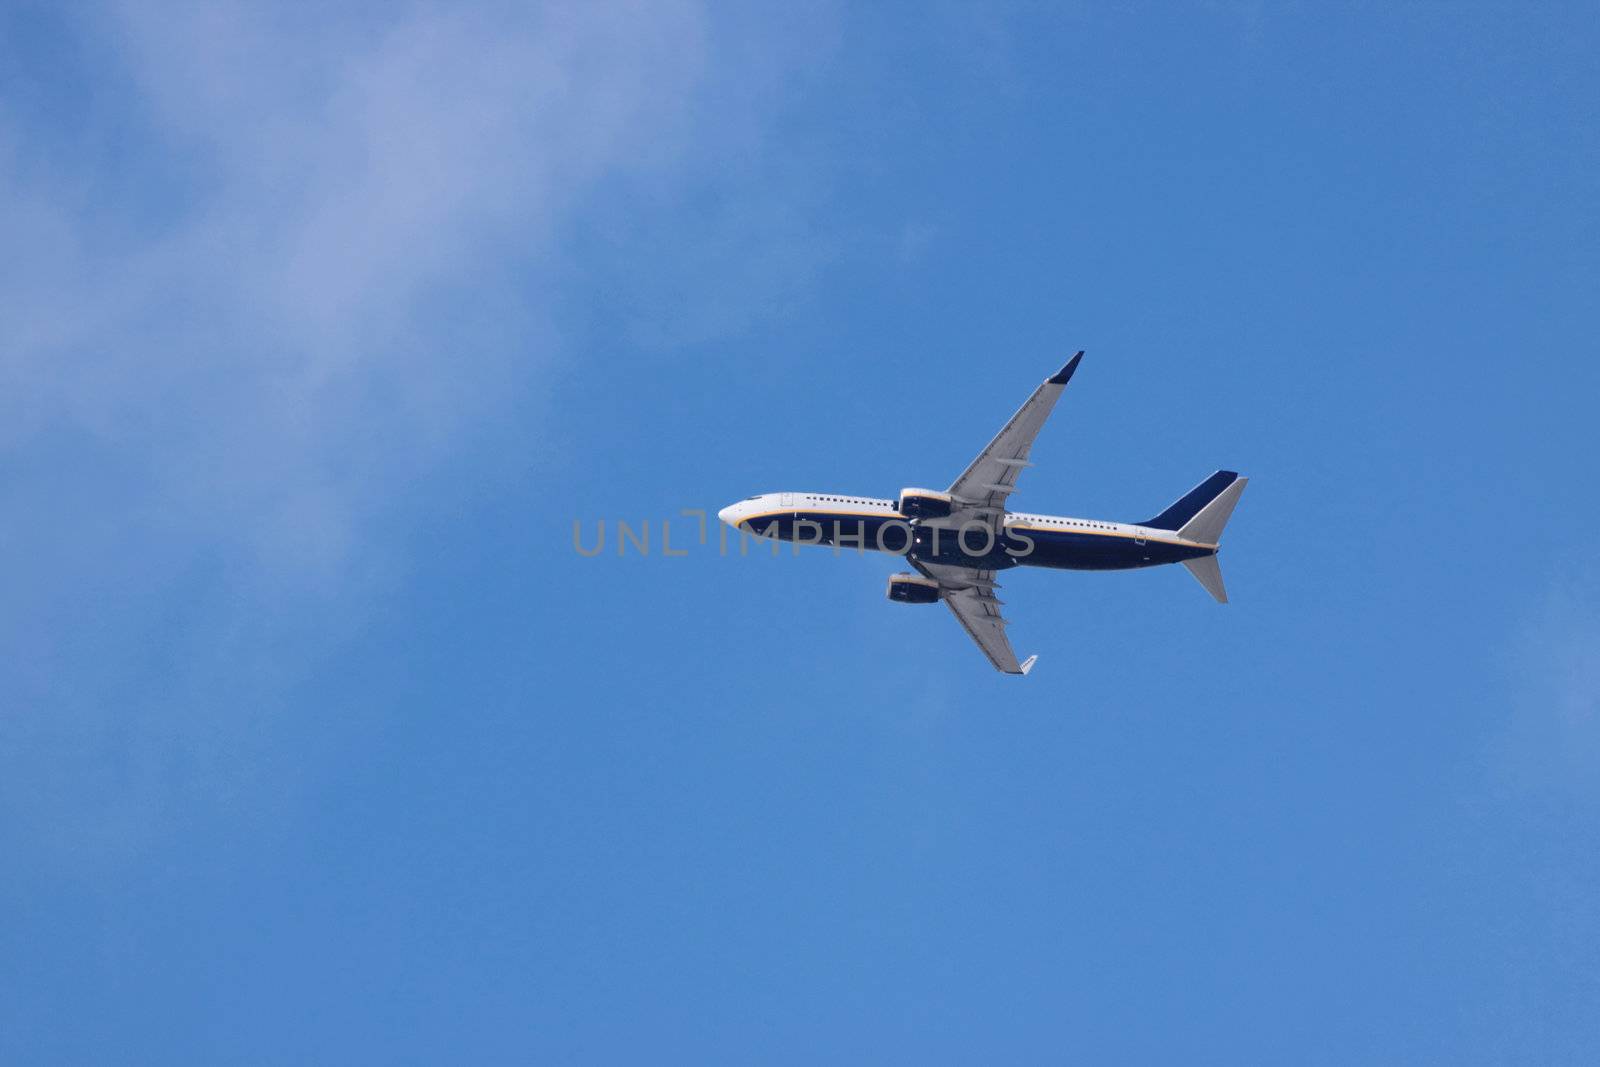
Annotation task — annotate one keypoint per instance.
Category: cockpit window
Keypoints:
(756, 497)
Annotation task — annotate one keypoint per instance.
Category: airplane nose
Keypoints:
(726, 515)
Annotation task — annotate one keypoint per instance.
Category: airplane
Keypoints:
(958, 540)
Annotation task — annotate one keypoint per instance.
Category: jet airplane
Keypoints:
(958, 540)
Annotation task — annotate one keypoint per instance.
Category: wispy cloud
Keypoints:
(323, 191)
(1553, 741)
(273, 264)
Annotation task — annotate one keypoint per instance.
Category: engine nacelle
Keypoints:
(913, 589)
(924, 504)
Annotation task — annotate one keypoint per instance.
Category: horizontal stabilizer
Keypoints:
(1206, 527)
(1207, 572)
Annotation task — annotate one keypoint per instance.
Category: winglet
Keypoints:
(1027, 664)
(1064, 375)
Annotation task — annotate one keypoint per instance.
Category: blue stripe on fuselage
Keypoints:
(1083, 550)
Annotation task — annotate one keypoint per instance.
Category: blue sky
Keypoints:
(319, 742)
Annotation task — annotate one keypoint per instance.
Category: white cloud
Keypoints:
(1553, 740)
(335, 183)
(278, 261)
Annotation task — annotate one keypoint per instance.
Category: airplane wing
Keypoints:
(969, 593)
(981, 491)
(980, 495)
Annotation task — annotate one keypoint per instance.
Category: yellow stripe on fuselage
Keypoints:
(1018, 526)
(821, 511)
(1112, 533)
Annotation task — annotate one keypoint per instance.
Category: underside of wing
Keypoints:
(970, 596)
(982, 489)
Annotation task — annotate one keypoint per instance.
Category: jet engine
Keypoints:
(913, 589)
(923, 504)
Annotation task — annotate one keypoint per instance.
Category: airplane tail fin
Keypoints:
(1202, 512)
(1199, 515)
(1208, 573)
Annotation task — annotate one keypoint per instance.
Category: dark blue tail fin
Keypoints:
(1192, 502)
